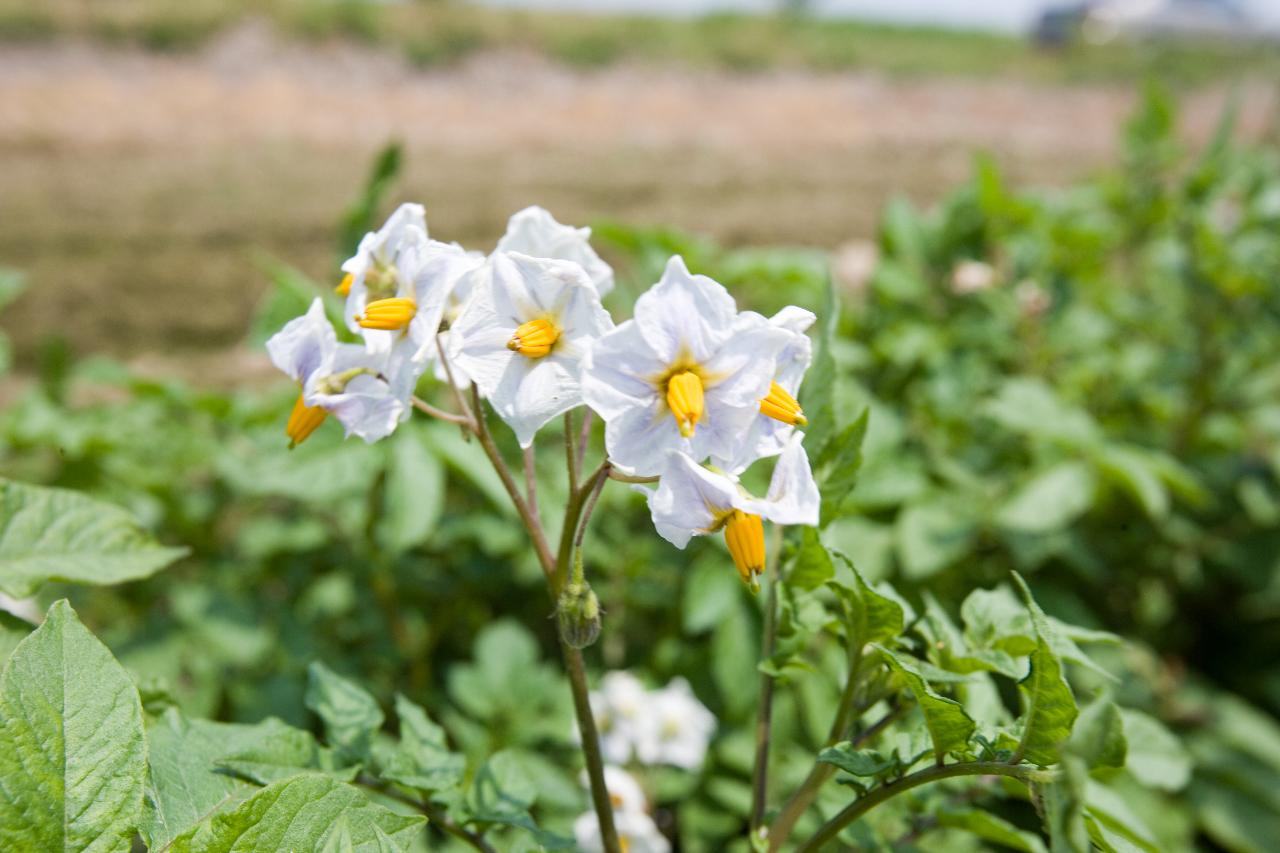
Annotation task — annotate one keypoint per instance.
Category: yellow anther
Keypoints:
(344, 287)
(388, 314)
(684, 398)
(781, 406)
(303, 421)
(535, 338)
(744, 534)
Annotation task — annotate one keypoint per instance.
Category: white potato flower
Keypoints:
(535, 232)
(676, 729)
(636, 830)
(367, 392)
(522, 336)
(624, 791)
(618, 707)
(779, 413)
(693, 500)
(686, 373)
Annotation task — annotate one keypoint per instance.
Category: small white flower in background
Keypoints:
(624, 791)
(1033, 300)
(523, 334)
(619, 707)
(535, 232)
(692, 500)
(367, 392)
(972, 277)
(676, 728)
(779, 413)
(636, 831)
(684, 374)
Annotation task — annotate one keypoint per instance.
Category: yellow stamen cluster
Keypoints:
(344, 287)
(303, 421)
(781, 406)
(535, 338)
(388, 314)
(744, 534)
(684, 398)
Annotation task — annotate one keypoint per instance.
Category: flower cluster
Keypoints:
(636, 829)
(691, 390)
(651, 727)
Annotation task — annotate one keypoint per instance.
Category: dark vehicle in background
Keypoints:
(1100, 21)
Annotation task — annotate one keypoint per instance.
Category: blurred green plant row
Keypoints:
(443, 32)
(1079, 384)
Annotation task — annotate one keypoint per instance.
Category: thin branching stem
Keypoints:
(615, 474)
(886, 791)
(440, 414)
(600, 478)
(764, 714)
(570, 456)
(804, 796)
(584, 434)
(531, 480)
(458, 396)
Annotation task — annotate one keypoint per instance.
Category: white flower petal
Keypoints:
(793, 496)
(366, 408)
(689, 499)
(618, 372)
(535, 232)
(304, 343)
(685, 315)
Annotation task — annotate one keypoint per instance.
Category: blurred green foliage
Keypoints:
(1093, 406)
(432, 33)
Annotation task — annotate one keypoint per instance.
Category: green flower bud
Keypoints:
(578, 614)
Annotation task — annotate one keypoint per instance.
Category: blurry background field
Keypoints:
(150, 149)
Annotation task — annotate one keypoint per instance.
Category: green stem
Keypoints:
(437, 816)
(570, 454)
(591, 746)
(804, 796)
(862, 805)
(764, 717)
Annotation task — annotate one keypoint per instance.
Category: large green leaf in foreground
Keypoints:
(73, 757)
(307, 812)
(56, 534)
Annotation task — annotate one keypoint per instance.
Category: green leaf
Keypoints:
(931, 535)
(467, 459)
(1098, 736)
(1053, 499)
(185, 785)
(414, 496)
(857, 762)
(812, 567)
(422, 759)
(1155, 755)
(1130, 470)
(351, 716)
(950, 726)
(1115, 818)
(59, 535)
(869, 616)
(837, 466)
(1064, 807)
(501, 788)
(282, 751)
(988, 827)
(73, 755)
(818, 393)
(710, 593)
(302, 813)
(1049, 707)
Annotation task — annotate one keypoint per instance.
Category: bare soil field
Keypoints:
(137, 191)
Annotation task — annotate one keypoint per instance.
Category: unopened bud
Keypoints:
(578, 614)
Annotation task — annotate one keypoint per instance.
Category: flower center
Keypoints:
(303, 421)
(380, 280)
(781, 406)
(336, 383)
(535, 338)
(744, 534)
(388, 314)
(684, 398)
(344, 286)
